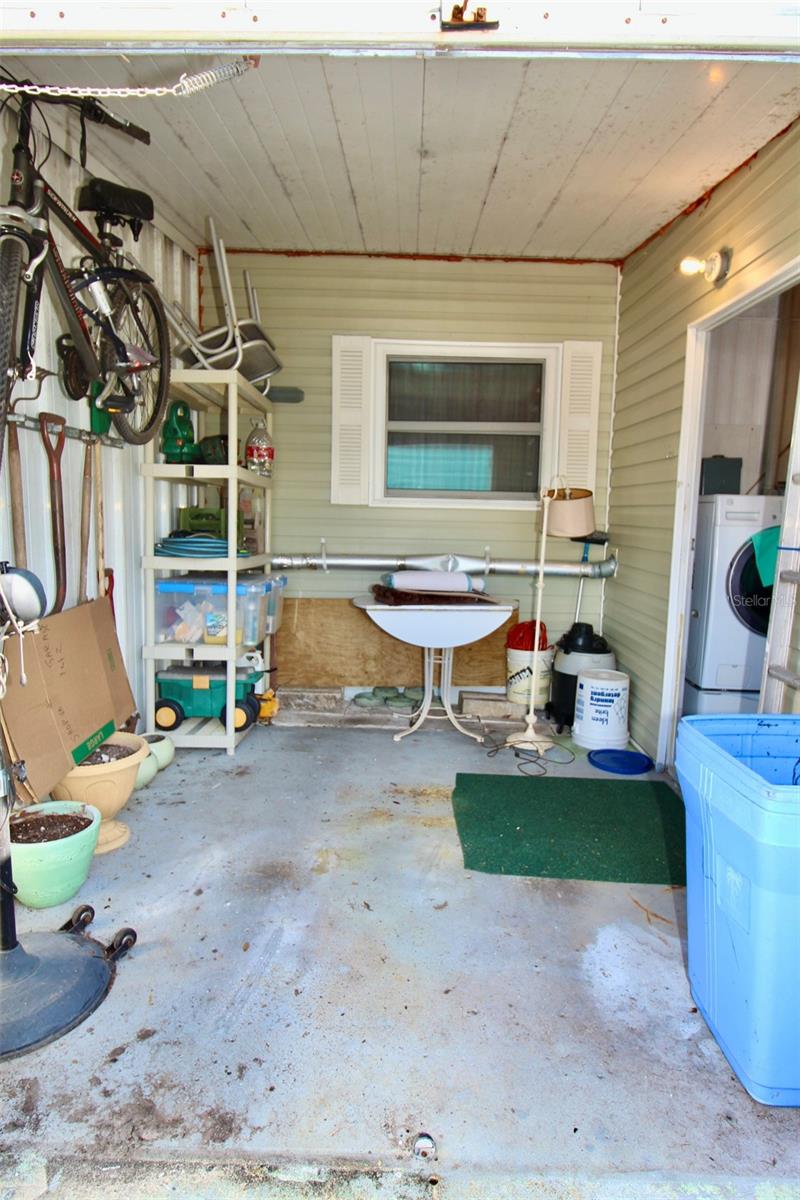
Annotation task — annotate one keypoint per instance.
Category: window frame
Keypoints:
(550, 354)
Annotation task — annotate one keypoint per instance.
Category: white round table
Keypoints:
(438, 629)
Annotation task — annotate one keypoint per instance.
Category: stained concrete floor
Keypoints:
(317, 981)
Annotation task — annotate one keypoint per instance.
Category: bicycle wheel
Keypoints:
(140, 322)
(11, 254)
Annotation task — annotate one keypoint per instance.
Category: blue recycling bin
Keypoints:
(740, 779)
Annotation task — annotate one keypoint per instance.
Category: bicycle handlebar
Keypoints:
(90, 108)
(94, 111)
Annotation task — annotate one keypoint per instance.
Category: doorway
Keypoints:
(701, 431)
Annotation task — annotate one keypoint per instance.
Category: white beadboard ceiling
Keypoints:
(542, 157)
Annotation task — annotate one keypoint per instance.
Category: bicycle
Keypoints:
(117, 348)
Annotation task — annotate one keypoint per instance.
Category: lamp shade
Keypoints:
(571, 512)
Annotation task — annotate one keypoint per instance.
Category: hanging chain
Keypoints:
(187, 85)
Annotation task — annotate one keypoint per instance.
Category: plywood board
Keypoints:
(331, 643)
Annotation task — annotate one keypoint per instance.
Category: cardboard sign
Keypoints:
(77, 692)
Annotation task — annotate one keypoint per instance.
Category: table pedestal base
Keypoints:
(444, 660)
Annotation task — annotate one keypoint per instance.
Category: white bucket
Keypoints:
(519, 667)
(601, 710)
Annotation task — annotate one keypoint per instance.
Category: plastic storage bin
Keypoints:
(195, 611)
(272, 587)
(738, 775)
(275, 601)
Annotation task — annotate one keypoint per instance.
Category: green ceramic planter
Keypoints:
(148, 769)
(48, 873)
(162, 747)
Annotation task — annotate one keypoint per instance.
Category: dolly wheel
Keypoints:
(123, 941)
(242, 716)
(169, 714)
(253, 703)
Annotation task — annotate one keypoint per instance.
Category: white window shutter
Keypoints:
(580, 409)
(350, 433)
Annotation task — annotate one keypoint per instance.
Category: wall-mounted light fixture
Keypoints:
(714, 268)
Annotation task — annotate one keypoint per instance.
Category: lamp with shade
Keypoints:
(566, 512)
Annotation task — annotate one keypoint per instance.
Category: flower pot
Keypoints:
(48, 873)
(161, 747)
(108, 787)
(148, 769)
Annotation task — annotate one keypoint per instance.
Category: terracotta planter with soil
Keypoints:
(52, 845)
(106, 785)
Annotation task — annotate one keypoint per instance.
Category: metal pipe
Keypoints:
(403, 48)
(324, 561)
(70, 431)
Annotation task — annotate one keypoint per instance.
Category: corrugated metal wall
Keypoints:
(304, 300)
(757, 213)
(175, 272)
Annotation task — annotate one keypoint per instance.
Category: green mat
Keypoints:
(628, 831)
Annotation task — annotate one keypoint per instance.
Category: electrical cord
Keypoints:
(531, 762)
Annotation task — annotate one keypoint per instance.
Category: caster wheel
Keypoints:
(80, 919)
(123, 941)
(169, 714)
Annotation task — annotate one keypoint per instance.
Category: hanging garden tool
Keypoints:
(86, 518)
(99, 519)
(105, 575)
(17, 496)
(54, 452)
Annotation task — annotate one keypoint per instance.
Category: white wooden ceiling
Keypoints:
(511, 157)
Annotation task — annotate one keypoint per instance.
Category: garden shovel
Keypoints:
(54, 452)
(86, 517)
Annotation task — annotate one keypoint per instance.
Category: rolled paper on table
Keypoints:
(434, 581)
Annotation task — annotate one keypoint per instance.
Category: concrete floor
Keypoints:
(317, 981)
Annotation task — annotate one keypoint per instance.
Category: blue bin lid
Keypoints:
(190, 586)
(174, 585)
(221, 589)
(620, 762)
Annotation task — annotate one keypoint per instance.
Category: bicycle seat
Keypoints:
(103, 196)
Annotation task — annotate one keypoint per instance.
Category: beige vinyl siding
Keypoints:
(756, 213)
(305, 300)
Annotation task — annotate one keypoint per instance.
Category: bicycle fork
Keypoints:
(30, 230)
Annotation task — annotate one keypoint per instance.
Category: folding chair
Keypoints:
(238, 345)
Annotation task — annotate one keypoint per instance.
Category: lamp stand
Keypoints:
(535, 736)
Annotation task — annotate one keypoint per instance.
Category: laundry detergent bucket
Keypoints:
(601, 710)
(519, 668)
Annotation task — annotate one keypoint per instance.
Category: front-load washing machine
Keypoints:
(729, 613)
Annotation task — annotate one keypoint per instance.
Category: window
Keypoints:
(460, 425)
(463, 428)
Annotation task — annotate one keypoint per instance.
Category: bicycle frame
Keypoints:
(31, 203)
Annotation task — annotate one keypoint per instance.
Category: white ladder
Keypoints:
(777, 676)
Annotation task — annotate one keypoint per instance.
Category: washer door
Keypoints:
(749, 599)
